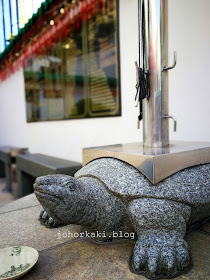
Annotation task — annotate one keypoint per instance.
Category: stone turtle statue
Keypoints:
(110, 195)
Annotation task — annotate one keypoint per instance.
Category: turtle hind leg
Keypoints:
(161, 226)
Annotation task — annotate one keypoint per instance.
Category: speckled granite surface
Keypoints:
(76, 258)
(110, 195)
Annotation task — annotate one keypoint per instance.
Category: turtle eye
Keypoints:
(70, 185)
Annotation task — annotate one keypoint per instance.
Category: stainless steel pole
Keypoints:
(155, 124)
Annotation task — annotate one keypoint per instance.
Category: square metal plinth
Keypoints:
(155, 163)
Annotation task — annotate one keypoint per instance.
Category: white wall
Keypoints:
(189, 87)
(189, 91)
(13, 126)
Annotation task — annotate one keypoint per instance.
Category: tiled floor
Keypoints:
(6, 197)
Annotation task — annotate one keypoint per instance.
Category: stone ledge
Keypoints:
(76, 258)
(20, 226)
(25, 202)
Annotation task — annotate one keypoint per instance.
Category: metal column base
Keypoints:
(155, 163)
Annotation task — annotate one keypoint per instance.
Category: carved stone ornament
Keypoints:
(109, 195)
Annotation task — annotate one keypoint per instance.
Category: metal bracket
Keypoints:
(174, 119)
(171, 67)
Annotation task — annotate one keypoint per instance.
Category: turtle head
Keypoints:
(61, 197)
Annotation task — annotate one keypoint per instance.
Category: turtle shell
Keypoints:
(190, 185)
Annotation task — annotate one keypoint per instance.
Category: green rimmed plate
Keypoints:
(16, 261)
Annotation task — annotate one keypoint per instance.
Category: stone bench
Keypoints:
(30, 166)
(7, 157)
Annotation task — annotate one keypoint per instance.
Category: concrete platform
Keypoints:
(81, 258)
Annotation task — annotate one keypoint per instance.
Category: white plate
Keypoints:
(16, 261)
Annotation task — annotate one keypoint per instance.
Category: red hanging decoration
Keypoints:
(69, 24)
(99, 5)
(86, 10)
(50, 35)
(5, 75)
(94, 7)
(56, 35)
(73, 12)
(18, 63)
(25, 54)
(110, 4)
(22, 60)
(11, 68)
(63, 25)
(43, 35)
(82, 12)
(78, 20)
(63, 31)
(103, 4)
(38, 46)
(33, 48)
(15, 66)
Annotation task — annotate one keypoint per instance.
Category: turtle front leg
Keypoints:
(161, 226)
